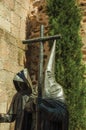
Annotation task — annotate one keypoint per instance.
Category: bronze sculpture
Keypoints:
(53, 107)
(16, 113)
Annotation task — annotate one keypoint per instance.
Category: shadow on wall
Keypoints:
(33, 24)
(32, 50)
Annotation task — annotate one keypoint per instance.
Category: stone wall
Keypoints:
(13, 15)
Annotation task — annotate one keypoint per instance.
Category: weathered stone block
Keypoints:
(1, 64)
(20, 44)
(5, 24)
(23, 29)
(17, 9)
(4, 50)
(1, 33)
(9, 38)
(6, 13)
(3, 107)
(15, 31)
(21, 56)
(15, 19)
(9, 4)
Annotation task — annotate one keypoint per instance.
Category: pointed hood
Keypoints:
(22, 80)
(52, 89)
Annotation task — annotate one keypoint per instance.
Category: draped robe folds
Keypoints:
(16, 111)
(54, 115)
(53, 107)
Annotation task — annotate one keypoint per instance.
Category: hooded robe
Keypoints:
(53, 106)
(16, 111)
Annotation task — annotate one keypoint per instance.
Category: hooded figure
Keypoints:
(53, 107)
(22, 83)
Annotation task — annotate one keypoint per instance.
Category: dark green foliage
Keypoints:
(64, 19)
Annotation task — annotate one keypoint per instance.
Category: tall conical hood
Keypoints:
(22, 79)
(51, 88)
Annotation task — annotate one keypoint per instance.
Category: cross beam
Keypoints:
(41, 39)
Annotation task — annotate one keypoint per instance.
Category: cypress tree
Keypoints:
(64, 19)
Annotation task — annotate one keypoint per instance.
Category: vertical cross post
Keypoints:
(40, 81)
(40, 77)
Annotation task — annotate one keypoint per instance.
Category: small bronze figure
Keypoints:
(53, 107)
(16, 113)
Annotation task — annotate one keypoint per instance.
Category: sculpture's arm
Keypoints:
(10, 116)
(7, 118)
